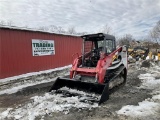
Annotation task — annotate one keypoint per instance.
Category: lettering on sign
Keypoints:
(43, 47)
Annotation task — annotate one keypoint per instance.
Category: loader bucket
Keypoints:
(102, 89)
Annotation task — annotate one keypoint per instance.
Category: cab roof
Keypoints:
(97, 37)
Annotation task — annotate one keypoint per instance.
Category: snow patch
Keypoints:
(146, 76)
(156, 97)
(147, 58)
(47, 104)
(130, 56)
(150, 106)
(5, 113)
(143, 109)
(149, 81)
(73, 90)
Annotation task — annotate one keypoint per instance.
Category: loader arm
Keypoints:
(104, 64)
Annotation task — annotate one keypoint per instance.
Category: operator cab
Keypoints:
(99, 43)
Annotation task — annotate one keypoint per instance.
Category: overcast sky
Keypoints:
(135, 17)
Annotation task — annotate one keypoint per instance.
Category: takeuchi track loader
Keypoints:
(98, 70)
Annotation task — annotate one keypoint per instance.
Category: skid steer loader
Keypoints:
(99, 70)
(139, 52)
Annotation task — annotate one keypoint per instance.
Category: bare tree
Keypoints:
(9, 23)
(60, 29)
(41, 28)
(2, 23)
(106, 29)
(71, 30)
(83, 33)
(126, 40)
(24, 26)
(155, 33)
(53, 28)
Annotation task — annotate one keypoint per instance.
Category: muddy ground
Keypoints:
(128, 94)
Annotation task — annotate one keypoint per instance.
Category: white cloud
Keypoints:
(124, 16)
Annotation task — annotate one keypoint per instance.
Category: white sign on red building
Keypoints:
(43, 47)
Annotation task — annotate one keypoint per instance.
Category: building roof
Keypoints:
(36, 30)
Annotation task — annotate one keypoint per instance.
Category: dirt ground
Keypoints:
(128, 94)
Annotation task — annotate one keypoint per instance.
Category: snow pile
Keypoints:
(47, 104)
(22, 83)
(33, 73)
(18, 87)
(150, 107)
